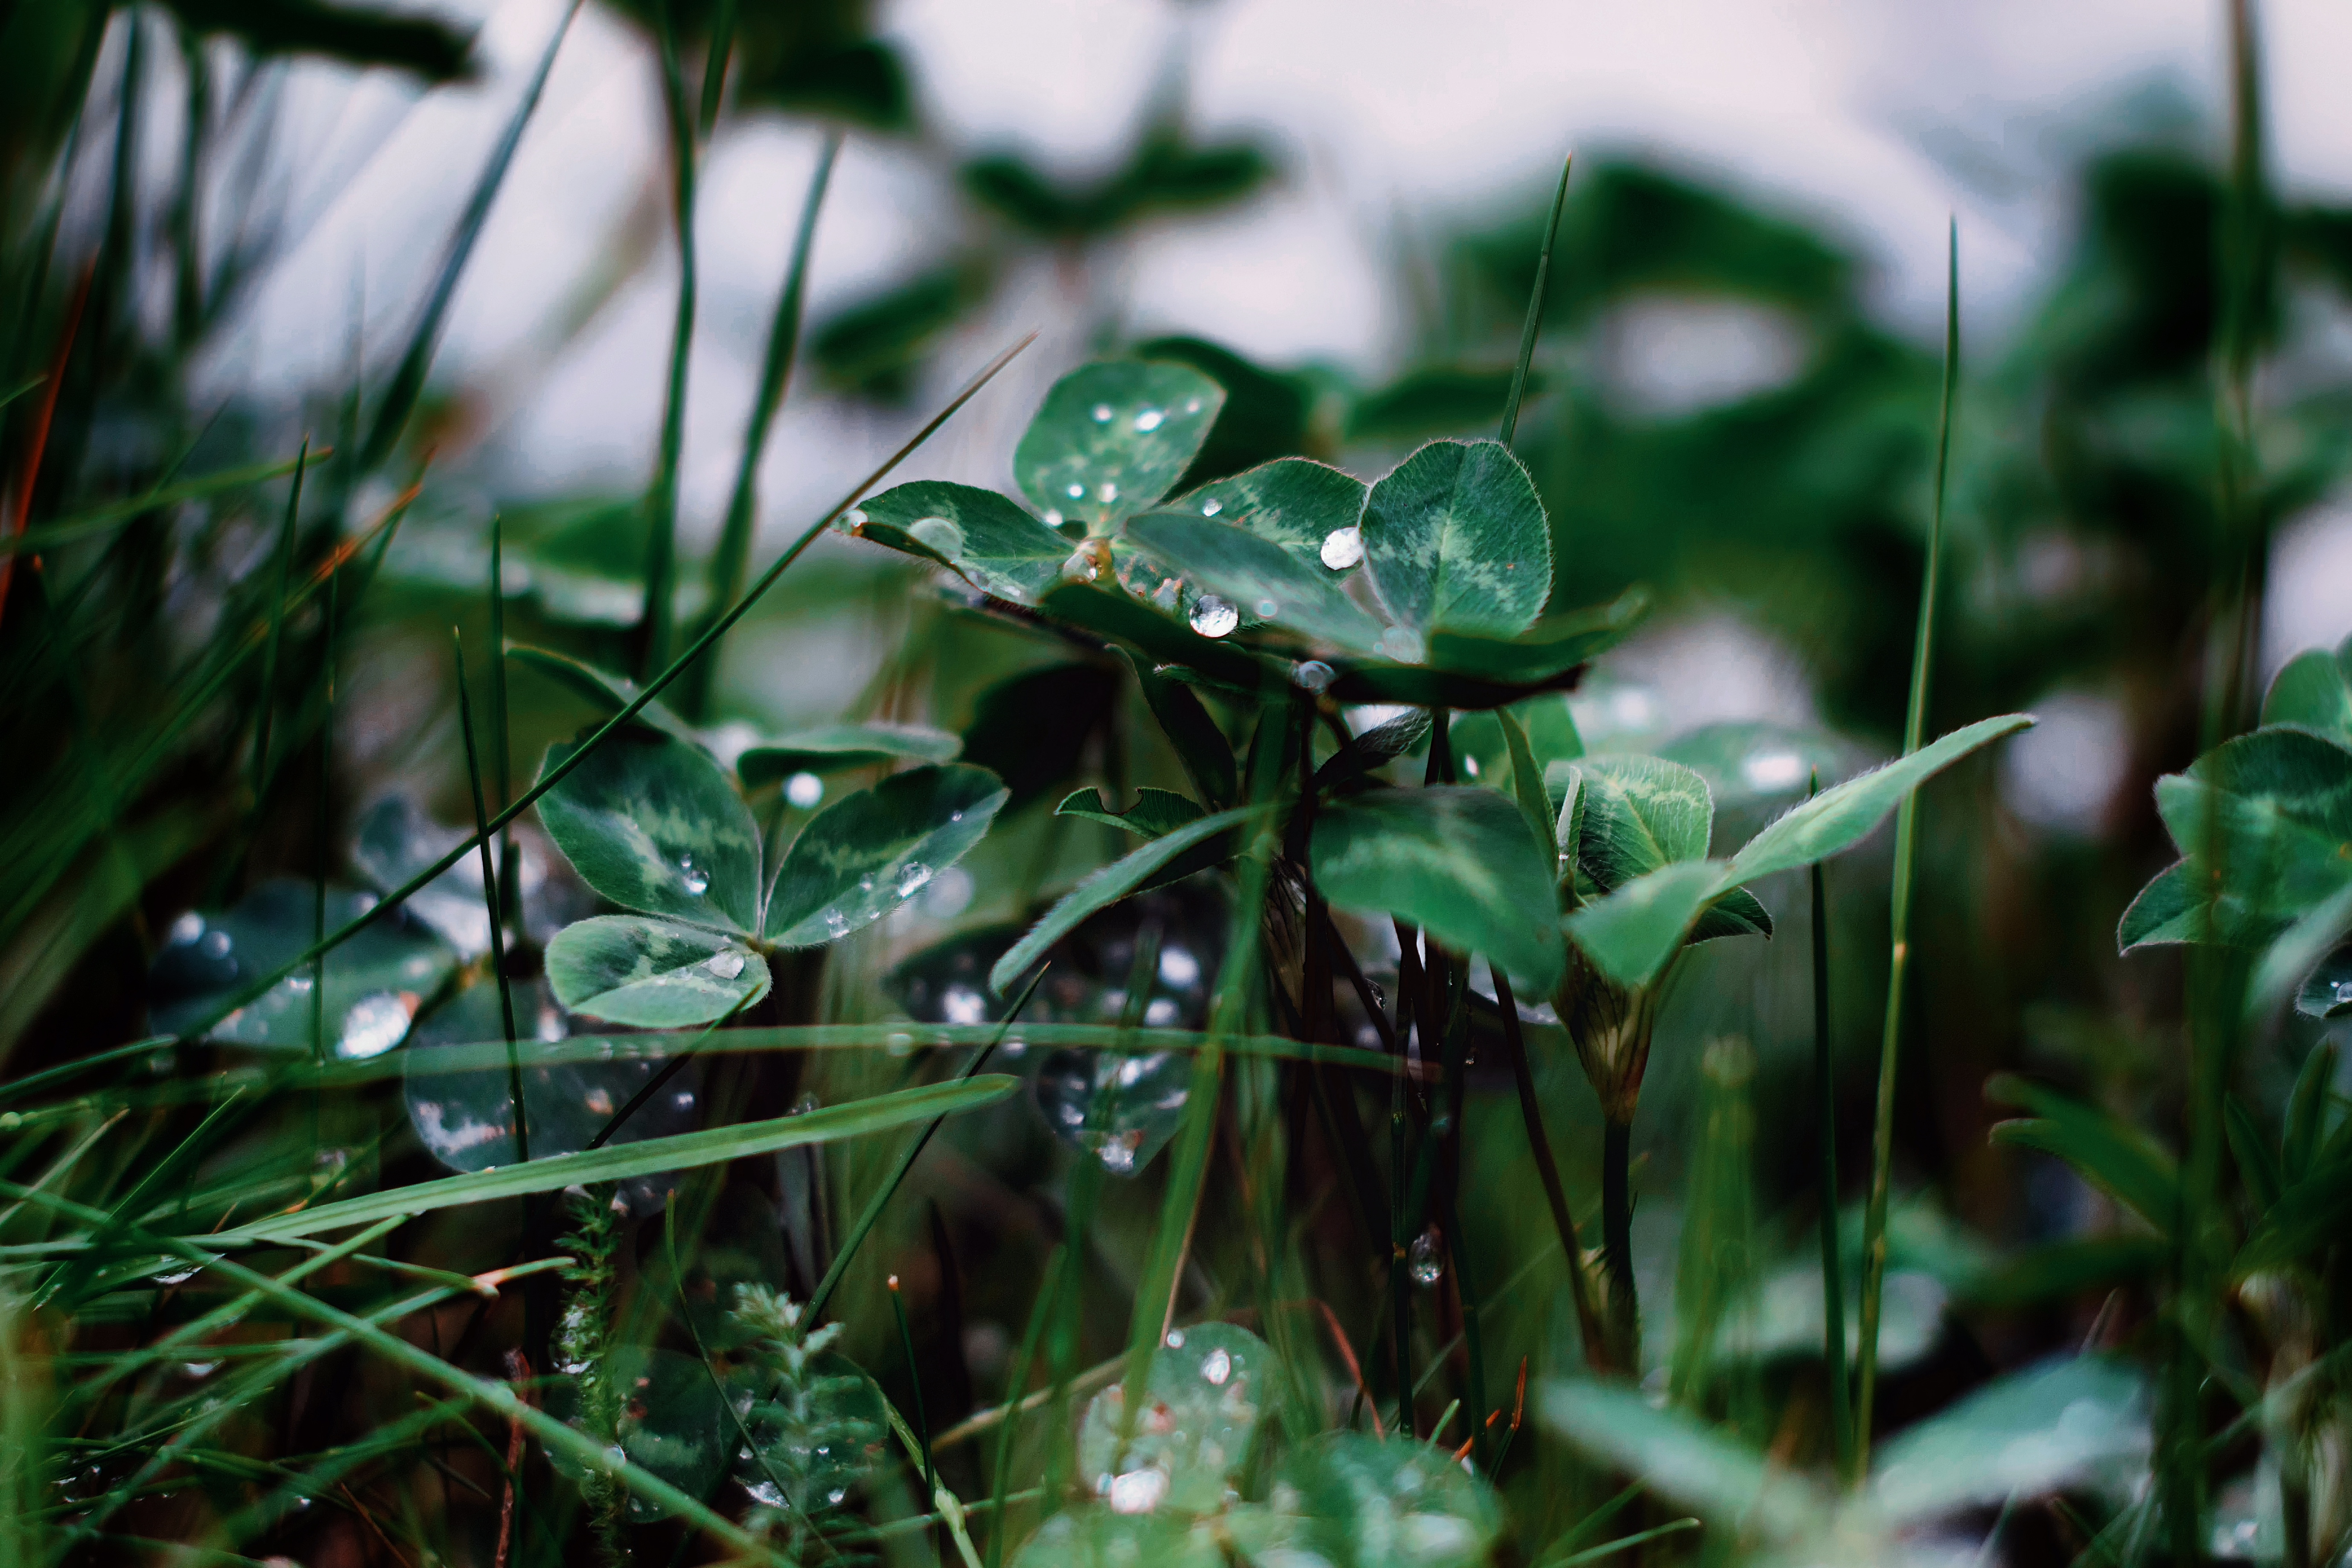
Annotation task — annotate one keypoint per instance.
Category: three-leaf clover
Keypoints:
(650, 821)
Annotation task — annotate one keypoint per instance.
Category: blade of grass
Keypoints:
(1580, 1283)
(874, 1207)
(277, 629)
(98, 519)
(1834, 1360)
(733, 558)
(492, 899)
(637, 705)
(1510, 427)
(408, 381)
(498, 1397)
(661, 498)
(684, 1151)
(1906, 850)
(714, 64)
(1039, 1314)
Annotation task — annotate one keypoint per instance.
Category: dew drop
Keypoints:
(1162, 1014)
(1267, 609)
(726, 963)
(1150, 419)
(1138, 1491)
(1211, 507)
(1193, 406)
(216, 944)
(1080, 567)
(836, 924)
(598, 1101)
(1218, 1367)
(376, 1022)
(1426, 1259)
(1342, 547)
(1117, 1152)
(187, 928)
(1053, 517)
(1175, 1339)
(697, 879)
(2344, 991)
(912, 876)
(1177, 967)
(1102, 413)
(300, 985)
(803, 790)
(1078, 492)
(1107, 491)
(1213, 617)
(1314, 675)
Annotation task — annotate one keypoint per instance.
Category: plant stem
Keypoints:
(1580, 1283)
(1906, 846)
(1833, 1361)
(1617, 1236)
(491, 902)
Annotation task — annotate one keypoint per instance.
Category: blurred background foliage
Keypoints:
(1717, 411)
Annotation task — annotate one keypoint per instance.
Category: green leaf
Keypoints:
(833, 747)
(1456, 540)
(1375, 748)
(1200, 745)
(464, 1117)
(1112, 437)
(1456, 860)
(2059, 1425)
(2278, 806)
(1546, 653)
(2109, 1153)
(2164, 913)
(1737, 913)
(1365, 1503)
(1104, 888)
(652, 974)
(1686, 1460)
(1528, 785)
(867, 853)
(2314, 690)
(1120, 1108)
(1295, 502)
(358, 35)
(1261, 579)
(616, 1162)
(1155, 810)
(1631, 933)
(1160, 638)
(988, 538)
(650, 821)
(374, 981)
(394, 841)
(1751, 765)
(1638, 814)
(1211, 1380)
(1093, 1535)
(1837, 819)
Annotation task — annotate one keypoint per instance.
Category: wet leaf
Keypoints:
(375, 981)
(650, 974)
(867, 853)
(650, 821)
(1094, 1535)
(1265, 581)
(1295, 502)
(1364, 1503)
(991, 540)
(834, 747)
(1455, 540)
(396, 840)
(814, 1438)
(1085, 981)
(672, 1420)
(2063, 1424)
(2326, 992)
(1207, 1391)
(1121, 1108)
(1159, 636)
(1685, 1460)
(1112, 438)
(1456, 860)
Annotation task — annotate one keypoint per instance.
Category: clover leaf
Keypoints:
(650, 821)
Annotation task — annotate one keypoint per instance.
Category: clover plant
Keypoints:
(651, 822)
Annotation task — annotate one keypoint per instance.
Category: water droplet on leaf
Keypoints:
(697, 879)
(1213, 617)
(803, 790)
(1138, 1491)
(1218, 1367)
(1102, 413)
(375, 1023)
(1342, 547)
(1312, 675)
(726, 964)
(1426, 1259)
(1149, 420)
(1211, 507)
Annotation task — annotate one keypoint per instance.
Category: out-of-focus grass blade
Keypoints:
(661, 498)
(99, 518)
(276, 629)
(653, 689)
(1510, 427)
(733, 558)
(408, 381)
(616, 1162)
